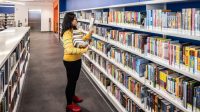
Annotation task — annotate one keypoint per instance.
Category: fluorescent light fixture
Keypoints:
(2, 0)
(13, 2)
(6, 6)
(38, 10)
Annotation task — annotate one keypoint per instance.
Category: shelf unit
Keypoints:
(124, 89)
(104, 90)
(167, 32)
(135, 75)
(179, 34)
(14, 59)
(148, 57)
(7, 20)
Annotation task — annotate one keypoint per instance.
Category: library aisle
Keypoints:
(46, 80)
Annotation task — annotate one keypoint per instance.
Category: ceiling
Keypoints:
(7, 1)
(33, 0)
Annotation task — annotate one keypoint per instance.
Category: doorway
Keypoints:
(34, 20)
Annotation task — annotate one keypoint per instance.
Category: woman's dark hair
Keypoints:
(67, 22)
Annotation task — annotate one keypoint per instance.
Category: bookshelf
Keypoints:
(135, 75)
(151, 34)
(131, 95)
(104, 90)
(156, 31)
(151, 58)
(14, 59)
(6, 20)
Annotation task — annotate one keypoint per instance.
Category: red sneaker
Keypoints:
(73, 108)
(76, 99)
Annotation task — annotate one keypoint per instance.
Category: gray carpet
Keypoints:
(46, 80)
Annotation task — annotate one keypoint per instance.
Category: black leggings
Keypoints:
(73, 69)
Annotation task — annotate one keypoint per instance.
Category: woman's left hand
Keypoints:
(91, 31)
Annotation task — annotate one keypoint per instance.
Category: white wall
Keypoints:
(21, 13)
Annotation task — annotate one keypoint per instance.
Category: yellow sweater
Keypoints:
(72, 53)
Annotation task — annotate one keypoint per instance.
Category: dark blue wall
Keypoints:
(62, 5)
(82, 4)
(67, 5)
(7, 9)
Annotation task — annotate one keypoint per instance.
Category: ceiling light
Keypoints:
(13, 2)
(2, 1)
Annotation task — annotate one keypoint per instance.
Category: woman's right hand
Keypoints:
(85, 49)
(91, 31)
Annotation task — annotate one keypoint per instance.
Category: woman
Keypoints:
(72, 60)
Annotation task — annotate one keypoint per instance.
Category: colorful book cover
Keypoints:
(163, 78)
(198, 62)
(187, 55)
(198, 99)
(189, 19)
(191, 85)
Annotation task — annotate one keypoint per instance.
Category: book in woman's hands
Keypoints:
(91, 23)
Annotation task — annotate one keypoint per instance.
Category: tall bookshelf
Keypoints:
(145, 56)
(14, 60)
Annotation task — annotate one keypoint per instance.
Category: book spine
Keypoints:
(193, 20)
(198, 63)
(185, 85)
(189, 20)
(187, 55)
(183, 20)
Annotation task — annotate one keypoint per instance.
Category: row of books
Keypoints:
(10, 95)
(84, 14)
(185, 21)
(182, 55)
(117, 74)
(122, 98)
(84, 26)
(158, 76)
(13, 59)
(127, 17)
(8, 98)
(150, 99)
(3, 79)
(4, 103)
(101, 17)
(6, 20)
(184, 88)
(8, 66)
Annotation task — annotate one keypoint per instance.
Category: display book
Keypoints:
(78, 35)
(10, 75)
(126, 38)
